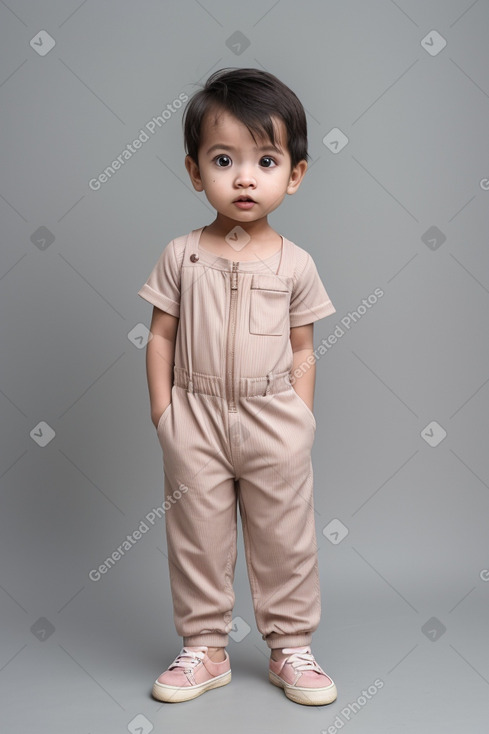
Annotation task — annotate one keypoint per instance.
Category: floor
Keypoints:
(89, 667)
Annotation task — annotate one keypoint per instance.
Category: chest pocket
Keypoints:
(269, 305)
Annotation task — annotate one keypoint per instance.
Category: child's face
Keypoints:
(231, 165)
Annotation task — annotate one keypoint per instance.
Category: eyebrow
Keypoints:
(230, 147)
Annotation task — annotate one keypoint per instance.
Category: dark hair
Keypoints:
(253, 97)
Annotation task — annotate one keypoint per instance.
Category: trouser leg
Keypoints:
(201, 525)
(281, 556)
(201, 543)
(277, 511)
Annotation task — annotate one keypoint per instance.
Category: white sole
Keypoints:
(307, 696)
(176, 694)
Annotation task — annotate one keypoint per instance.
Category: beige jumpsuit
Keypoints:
(237, 430)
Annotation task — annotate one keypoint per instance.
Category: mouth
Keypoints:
(244, 198)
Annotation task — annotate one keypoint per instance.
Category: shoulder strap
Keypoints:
(190, 245)
(287, 261)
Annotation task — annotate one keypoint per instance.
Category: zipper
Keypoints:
(232, 339)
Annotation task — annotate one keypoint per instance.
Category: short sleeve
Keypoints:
(309, 301)
(162, 288)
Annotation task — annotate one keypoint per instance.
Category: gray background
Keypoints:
(404, 592)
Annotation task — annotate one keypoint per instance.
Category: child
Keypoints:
(232, 329)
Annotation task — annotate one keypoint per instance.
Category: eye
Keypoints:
(226, 161)
(270, 162)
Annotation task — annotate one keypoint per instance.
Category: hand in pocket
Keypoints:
(158, 424)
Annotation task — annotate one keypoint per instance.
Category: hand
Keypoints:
(155, 418)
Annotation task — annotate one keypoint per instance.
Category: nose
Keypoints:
(244, 178)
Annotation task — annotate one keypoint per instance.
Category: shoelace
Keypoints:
(187, 659)
(302, 659)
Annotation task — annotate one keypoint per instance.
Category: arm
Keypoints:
(160, 352)
(301, 339)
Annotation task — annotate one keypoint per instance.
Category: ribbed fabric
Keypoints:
(237, 434)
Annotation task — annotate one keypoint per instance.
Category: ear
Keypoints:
(194, 173)
(296, 176)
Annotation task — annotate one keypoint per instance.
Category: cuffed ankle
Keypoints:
(211, 639)
(280, 641)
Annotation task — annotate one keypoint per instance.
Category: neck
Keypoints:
(221, 226)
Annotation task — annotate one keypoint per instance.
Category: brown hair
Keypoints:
(253, 97)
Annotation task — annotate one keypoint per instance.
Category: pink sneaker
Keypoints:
(302, 679)
(191, 674)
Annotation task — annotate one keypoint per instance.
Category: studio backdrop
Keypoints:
(394, 210)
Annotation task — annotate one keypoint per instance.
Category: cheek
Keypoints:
(278, 187)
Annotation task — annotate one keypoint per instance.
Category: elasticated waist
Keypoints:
(247, 386)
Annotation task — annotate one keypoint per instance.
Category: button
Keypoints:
(194, 257)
